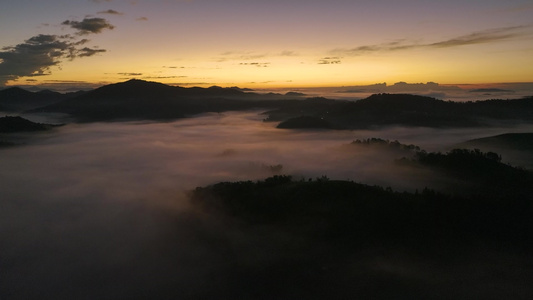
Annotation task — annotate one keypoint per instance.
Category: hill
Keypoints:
(517, 141)
(17, 100)
(409, 110)
(515, 148)
(18, 124)
(138, 99)
(324, 235)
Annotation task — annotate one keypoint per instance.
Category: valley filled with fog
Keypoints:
(101, 210)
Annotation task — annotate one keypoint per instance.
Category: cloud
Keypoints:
(256, 64)
(142, 19)
(130, 74)
(100, 1)
(288, 53)
(164, 77)
(481, 37)
(329, 61)
(36, 55)
(478, 37)
(81, 42)
(110, 12)
(89, 25)
(86, 52)
(239, 55)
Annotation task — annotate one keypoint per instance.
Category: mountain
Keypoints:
(16, 99)
(381, 110)
(138, 99)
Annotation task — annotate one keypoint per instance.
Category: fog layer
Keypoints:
(100, 210)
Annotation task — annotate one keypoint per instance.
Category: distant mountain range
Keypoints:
(16, 99)
(143, 100)
(138, 99)
(381, 110)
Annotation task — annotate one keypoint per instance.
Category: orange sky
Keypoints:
(265, 43)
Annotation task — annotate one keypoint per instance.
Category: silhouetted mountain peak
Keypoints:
(138, 83)
(15, 91)
(18, 99)
(132, 88)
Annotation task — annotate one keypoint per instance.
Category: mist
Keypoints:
(100, 210)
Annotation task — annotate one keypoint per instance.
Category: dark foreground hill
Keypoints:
(10, 125)
(338, 239)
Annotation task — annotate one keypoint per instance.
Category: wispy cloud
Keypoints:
(86, 52)
(130, 74)
(252, 56)
(256, 64)
(89, 25)
(164, 77)
(239, 56)
(142, 19)
(478, 37)
(482, 37)
(329, 61)
(288, 53)
(110, 12)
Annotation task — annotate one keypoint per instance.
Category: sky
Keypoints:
(257, 43)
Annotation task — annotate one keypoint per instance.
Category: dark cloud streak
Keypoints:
(89, 25)
(86, 52)
(130, 74)
(330, 61)
(481, 37)
(478, 37)
(110, 12)
(256, 64)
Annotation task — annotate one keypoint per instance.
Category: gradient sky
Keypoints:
(257, 43)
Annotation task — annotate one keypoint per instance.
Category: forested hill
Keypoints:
(15, 99)
(406, 110)
(9, 124)
(138, 99)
